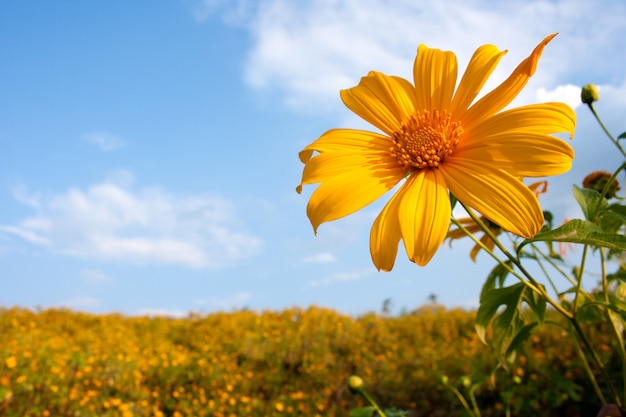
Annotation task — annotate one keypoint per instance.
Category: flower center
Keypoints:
(425, 140)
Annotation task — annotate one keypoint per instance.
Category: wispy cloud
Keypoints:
(81, 303)
(118, 222)
(94, 276)
(234, 301)
(105, 141)
(308, 51)
(320, 258)
(162, 312)
(339, 277)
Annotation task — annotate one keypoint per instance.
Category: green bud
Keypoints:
(355, 384)
(443, 379)
(465, 381)
(589, 94)
(517, 379)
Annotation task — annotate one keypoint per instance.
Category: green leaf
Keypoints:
(622, 136)
(580, 231)
(509, 329)
(589, 201)
(520, 337)
(362, 411)
(499, 274)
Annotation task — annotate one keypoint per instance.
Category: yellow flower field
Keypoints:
(271, 363)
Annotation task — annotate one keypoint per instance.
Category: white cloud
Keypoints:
(81, 303)
(26, 234)
(320, 258)
(339, 277)
(568, 94)
(105, 141)
(234, 301)
(94, 276)
(308, 51)
(117, 222)
(162, 312)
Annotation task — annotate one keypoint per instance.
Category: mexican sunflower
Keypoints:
(436, 139)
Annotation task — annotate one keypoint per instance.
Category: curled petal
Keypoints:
(382, 100)
(502, 95)
(434, 74)
(480, 67)
(424, 214)
(498, 195)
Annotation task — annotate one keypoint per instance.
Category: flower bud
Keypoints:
(589, 94)
(465, 381)
(355, 384)
(597, 180)
(443, 379)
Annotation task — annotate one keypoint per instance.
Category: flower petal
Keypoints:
(382, 100)
(345, 139)
(349, 182)
(544, 118)
(434, 74)
(424, 215)
(385, 234)
(480, 67)
(521, 154)
(496, 194)
(502, 95)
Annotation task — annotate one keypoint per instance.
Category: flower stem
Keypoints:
(367, 397)
(615, 141)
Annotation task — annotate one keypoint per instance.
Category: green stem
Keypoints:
(579, 278)
(589, 372)
(615, 141)
(529, 281)
(536, 251)
(541, 291)
(371, 401)
(597, 361)
(461, 398)
(555, 266)
(616, 332)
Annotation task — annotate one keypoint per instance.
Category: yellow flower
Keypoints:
(539, 187)
(436, 140)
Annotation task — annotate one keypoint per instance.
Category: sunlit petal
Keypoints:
(345, 140)
(498, 195)
(434, 74)
(543, 118)
(521, 154)
(341, 194)
(480, 67)
(424, 214)
(502, 95)
(385, 234)
(383, 101)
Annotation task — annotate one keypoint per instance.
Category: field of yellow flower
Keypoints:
(271, 363)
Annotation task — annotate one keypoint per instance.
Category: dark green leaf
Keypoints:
(622, 136)
(453, 200)
(362, 411)
(590, 201)
(520, 338)
(580, 231)
(499, 274)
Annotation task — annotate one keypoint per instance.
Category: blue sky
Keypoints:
(148, 149)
